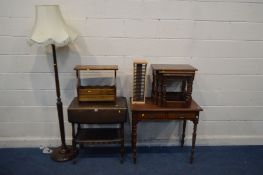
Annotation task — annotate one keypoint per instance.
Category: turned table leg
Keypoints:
(163, 90)
(122, 141)
(189, 89)
(193, 141)
(183, 134)
(134, 138)
(73, 137)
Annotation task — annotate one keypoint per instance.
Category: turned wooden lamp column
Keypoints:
(51, 30)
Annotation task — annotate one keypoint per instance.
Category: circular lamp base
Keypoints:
(61, 154)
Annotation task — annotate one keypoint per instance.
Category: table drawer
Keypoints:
(181, 115)
(165, 115)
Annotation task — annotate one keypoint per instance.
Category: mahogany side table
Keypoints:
(149, 112)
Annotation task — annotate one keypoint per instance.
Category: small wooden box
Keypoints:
(98, 91)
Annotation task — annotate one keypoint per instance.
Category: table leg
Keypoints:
(153, 88)
(78, 129)
(122, 142)
(134, 138)
(189, 89)
(74, 142)
(160, 94)
(183, 135)
(193, 141)
(73, 137)
(164, 85)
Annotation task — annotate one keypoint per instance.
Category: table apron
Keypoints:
(157, 115)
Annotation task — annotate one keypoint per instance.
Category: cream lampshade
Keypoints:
(51, 29)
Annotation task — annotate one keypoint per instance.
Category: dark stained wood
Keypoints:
(64, 152)
(193, 140)
(150, 111)
(163, 74)
(98, 113)
(183, 133)
(98, 136)
(150, 106)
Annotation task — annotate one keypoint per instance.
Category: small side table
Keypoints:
(151, 112)
(98, 113)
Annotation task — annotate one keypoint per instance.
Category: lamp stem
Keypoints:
(62, 153)
(59, 103)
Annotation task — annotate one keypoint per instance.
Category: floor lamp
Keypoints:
(50, 29)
